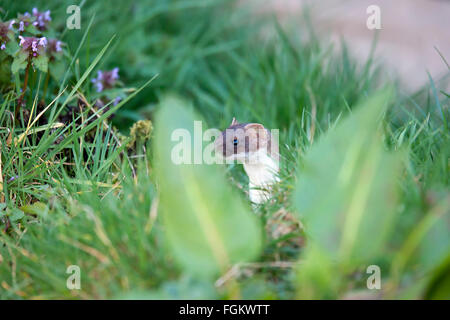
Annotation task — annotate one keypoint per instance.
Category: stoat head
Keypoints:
(244, 142)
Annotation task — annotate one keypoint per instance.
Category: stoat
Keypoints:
(252, 145)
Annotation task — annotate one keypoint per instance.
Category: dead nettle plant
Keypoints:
(55, 119)
(30, 49)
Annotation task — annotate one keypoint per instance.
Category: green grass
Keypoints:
(113, 208)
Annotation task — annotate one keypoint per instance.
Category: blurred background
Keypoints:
(410, 31)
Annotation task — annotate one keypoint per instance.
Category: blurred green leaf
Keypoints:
(36, 208)
(19, 62)
(427, 250)
(317, 276)
(41, 63)
(57, 69)
(208, 226)
(15, 214)
(439, 286)
(32, 29)
(435, 255)
(346, 191)
(185, 288)
(12, 47)
(435, 245)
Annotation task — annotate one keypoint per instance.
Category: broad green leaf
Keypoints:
(41, 63)
(427, 248)
(15, 214)
(57, 69)
(32, 29)
(439, 286)
(346, 191)
(435, 255)
(19, 62)
(37, 208)
(12, 47)
(317, 276)
(207, 224)
(435, 245)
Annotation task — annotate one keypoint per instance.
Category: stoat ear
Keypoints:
(254, 126)
(234, 122)
(257, 128)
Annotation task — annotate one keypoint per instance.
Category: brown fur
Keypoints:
(251, 137)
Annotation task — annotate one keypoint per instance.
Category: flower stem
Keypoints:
(25, 84)
(46, 85)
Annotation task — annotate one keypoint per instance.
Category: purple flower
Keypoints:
(115, 73)
(43, 41)
(54, 48)
(5, 34)
(33, 45)
(13, 178)
(58, 46)
(24, 21)
(3, 30)
(11, 24)
(42, 19)
(106, 79)
(98, 84)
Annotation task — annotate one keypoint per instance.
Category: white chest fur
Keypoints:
(262, 174)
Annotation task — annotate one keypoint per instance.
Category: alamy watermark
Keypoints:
(74, 280)
(74, 20)
(374, 19)
(374, 280)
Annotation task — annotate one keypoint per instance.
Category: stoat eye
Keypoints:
(235, 141)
